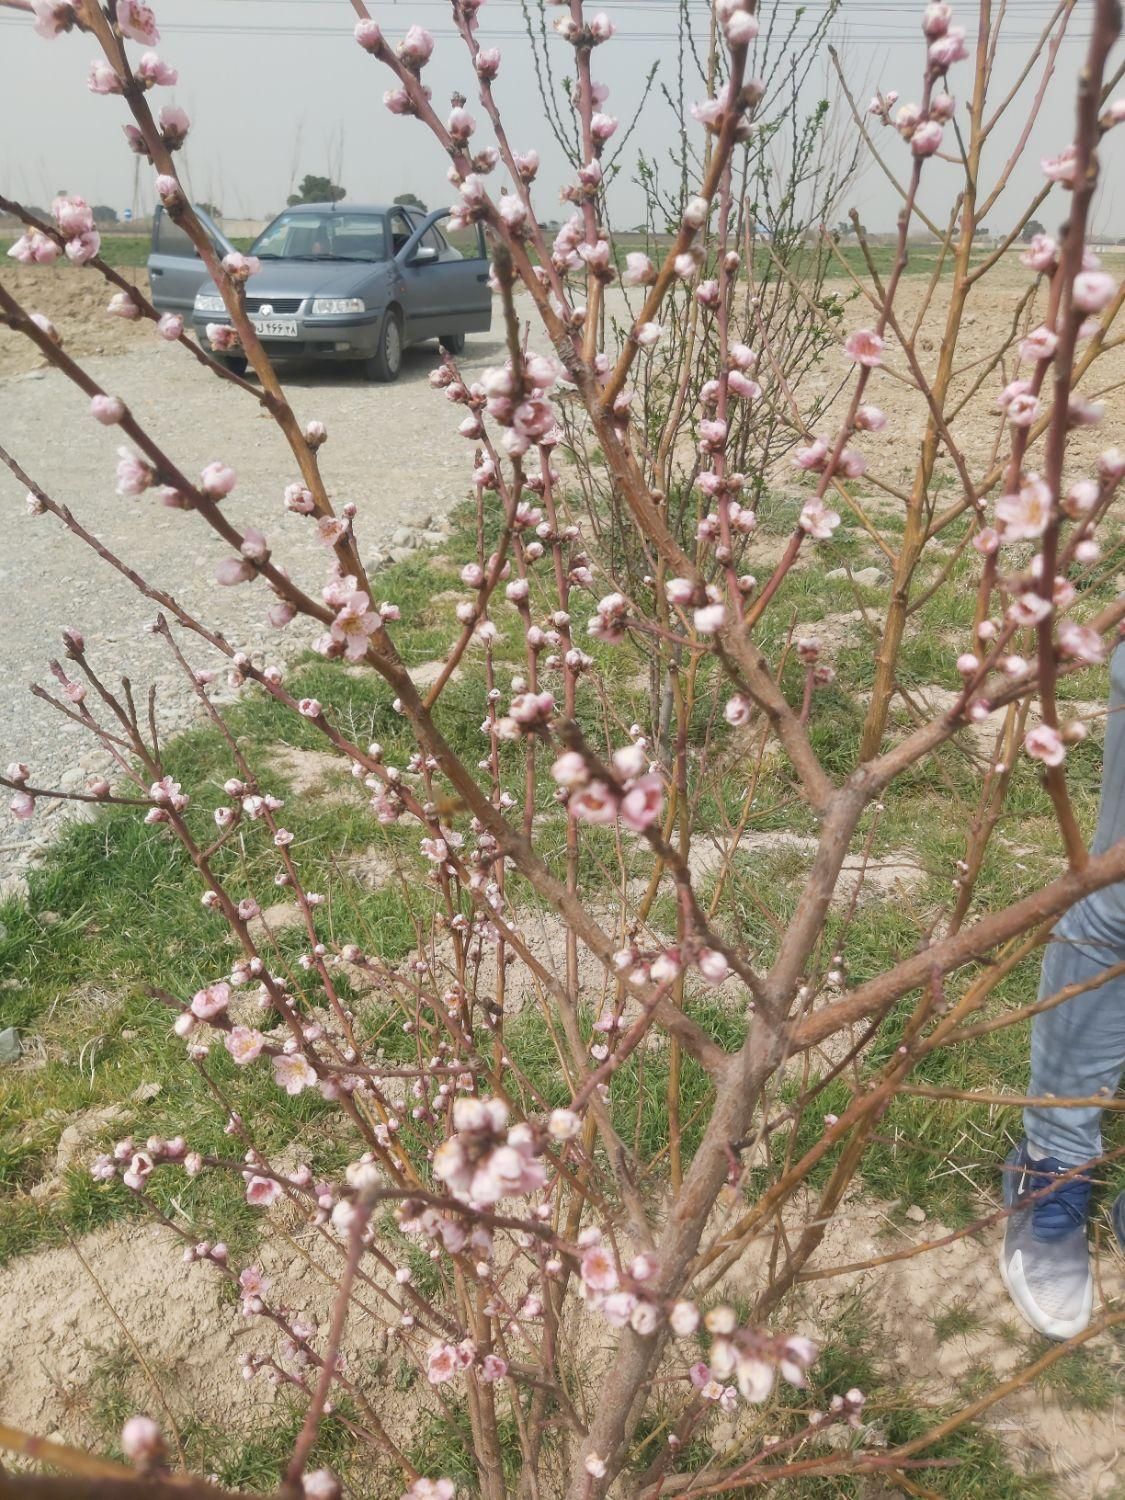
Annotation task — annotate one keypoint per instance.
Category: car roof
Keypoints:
(348, 208)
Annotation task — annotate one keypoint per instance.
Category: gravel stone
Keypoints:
(393, 449)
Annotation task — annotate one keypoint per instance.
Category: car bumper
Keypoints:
(317, 338)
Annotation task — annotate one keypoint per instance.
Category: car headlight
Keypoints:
(329, 307)
(208, 304)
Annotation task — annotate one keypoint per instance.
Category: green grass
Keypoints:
(121, 250)
(114, 909)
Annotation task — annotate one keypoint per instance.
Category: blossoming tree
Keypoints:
(540, 1218)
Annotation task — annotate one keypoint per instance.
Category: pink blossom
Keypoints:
(927, 138)
(602, 126)
(174, 126)
(368, 35)
(817, 521)
(936, 19)
(310, 707)
(244, 1044)
(1062, 168)
(488, 62)
(1041, 343)
(948, 49)
(136, 21)
(709, 618)
(1023, 409)
(643, 803)
(598, 1270)
(53, 17)
(942, 107)
(1044, 743)
(74, 216)
(104, 78)
(354, 626)
(713, 965)
(121, 305)
(431, 1489)
(865, 347)
(34, 248)
(235, 570)
(1111, 463)
(1029, 609)
(261, 1192)
(138, 1171)
(217, 480)
(83, 247)
(415, 49)
(46, 327)
(1041, 254)
(142, 1442)
(210, 1002)
(1081, 643)
(1093, 291)
(320, 1484)
(739, 384)
(870, 419)
(738, 710)
(493, 1368)
(108, 410)
(241, 267)
(292, 1072)
(594, 803)
(811, 457)
(460, 125)
(22, 806)
(153, 72)
(170, 327)
(526, 162)
(133, 475)
(1024, 517)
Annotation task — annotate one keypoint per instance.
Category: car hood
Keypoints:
(306, 278)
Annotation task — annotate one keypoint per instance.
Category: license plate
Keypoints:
(275, 328)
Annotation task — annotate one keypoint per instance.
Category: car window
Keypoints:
(171, 239)
(401, 230)
(433, 239)
(323, 236)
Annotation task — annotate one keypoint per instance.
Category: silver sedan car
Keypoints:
(338, 282)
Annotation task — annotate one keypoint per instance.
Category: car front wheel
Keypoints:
(237, 364)
(386, 363)
(454, 342)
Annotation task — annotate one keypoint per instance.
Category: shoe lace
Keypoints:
(1065, 1208)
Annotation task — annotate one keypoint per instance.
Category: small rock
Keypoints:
(404, 536)
(401, 554)
(48, 918)
(10, 1048)
(146, 1091)
(273, 920)
(915, 1214)
(72, 778)
(128, 1035)
(433, 538)
(869, 578)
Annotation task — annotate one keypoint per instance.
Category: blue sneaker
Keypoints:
(1045, 1258)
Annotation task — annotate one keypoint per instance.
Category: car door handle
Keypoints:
(155, 271)
(483, 276)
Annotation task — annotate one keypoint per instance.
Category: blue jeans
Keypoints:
(1078, 1047)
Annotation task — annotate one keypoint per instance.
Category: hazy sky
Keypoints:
(276, 88)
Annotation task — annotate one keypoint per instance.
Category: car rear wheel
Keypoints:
(454, 342)
(237, 364)
(386, 363)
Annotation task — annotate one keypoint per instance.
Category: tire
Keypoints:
(454, 342)
(237, 364)
(386, 363)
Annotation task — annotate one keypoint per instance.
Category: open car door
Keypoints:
(445, 284)
(175, 268)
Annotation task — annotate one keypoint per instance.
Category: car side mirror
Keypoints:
(425, 255)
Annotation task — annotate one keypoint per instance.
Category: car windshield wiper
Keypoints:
(266, 255)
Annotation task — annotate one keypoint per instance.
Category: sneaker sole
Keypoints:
(1052, 1328)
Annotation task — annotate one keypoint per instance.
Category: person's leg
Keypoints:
(1078, 1047)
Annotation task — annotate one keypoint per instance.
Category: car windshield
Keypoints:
(323, 236)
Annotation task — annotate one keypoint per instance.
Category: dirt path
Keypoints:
(394, 450)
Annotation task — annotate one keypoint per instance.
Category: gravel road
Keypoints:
(394, 450)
